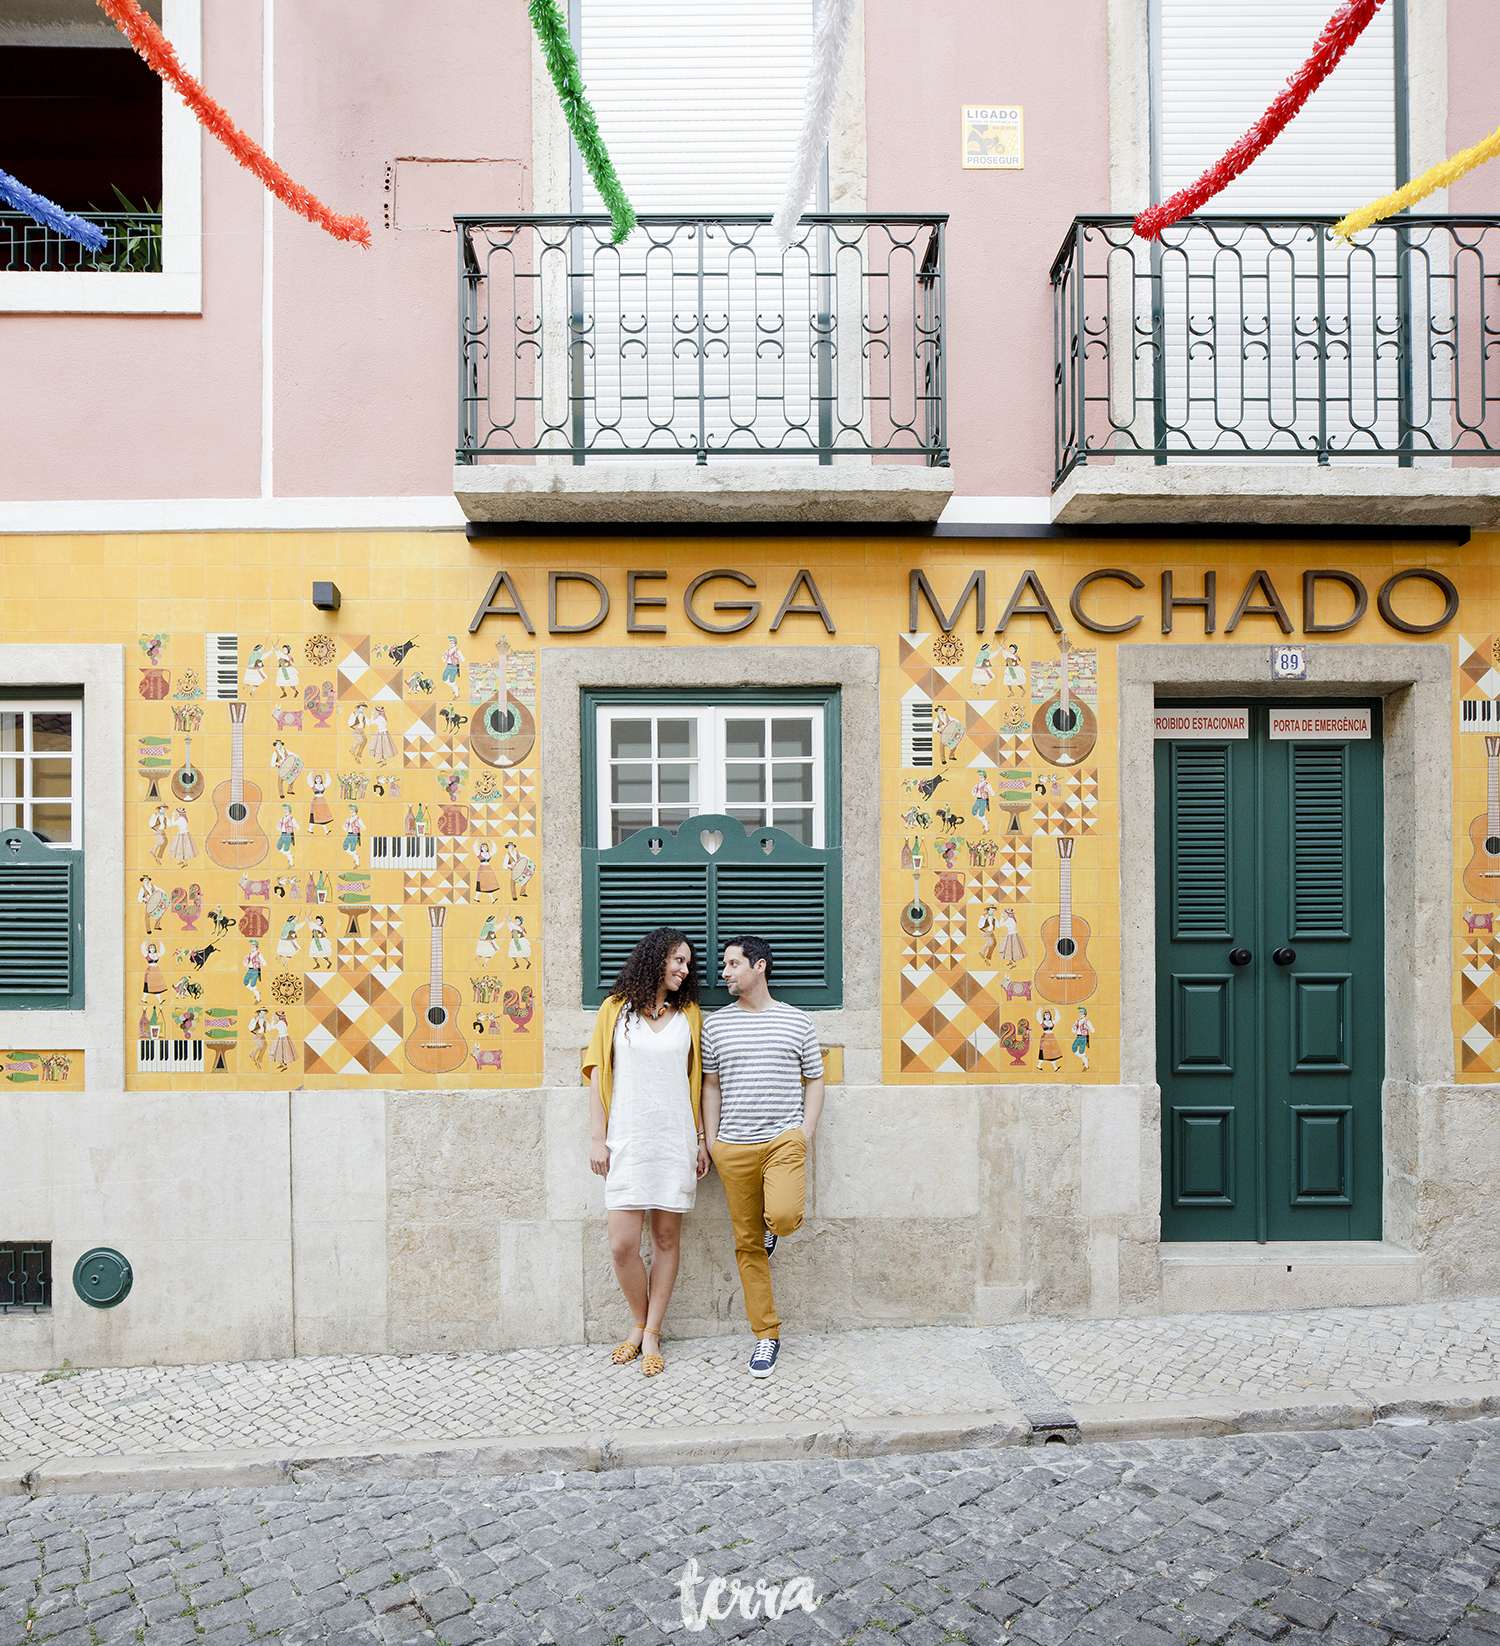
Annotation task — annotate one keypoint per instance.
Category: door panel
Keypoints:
(1271, 1069)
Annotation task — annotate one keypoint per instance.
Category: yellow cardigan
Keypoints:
(601, 1047)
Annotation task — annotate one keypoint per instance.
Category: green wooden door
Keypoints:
(1270, 984)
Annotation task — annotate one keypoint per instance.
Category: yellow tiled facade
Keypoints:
(349, 715)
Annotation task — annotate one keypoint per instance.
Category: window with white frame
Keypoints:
(661, 765)
(66, 76)
(41, 760)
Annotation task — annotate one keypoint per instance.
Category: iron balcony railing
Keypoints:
(1247, 337)
(698, 337)
(132, 245)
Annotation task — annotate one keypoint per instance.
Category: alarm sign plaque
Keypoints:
(992, 137)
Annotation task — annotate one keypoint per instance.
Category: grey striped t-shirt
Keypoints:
(761, 1059)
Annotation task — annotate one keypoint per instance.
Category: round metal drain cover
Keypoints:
(102, 1277)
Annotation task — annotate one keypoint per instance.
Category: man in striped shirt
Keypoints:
(758, 1119)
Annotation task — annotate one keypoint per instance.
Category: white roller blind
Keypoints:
(1221, 64)
(699, 101)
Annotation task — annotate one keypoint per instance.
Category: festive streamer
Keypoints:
(41, 210)
(153, 45)
(1342, 30)
(562, 65)
(1435, 177)
(830, 46)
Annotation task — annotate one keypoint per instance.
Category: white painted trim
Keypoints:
(99, 1029)
(1129, 81)
(234, 514)
(267, 249)
(989, 511)
(178, 289)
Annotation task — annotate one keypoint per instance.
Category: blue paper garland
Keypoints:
(16, 195)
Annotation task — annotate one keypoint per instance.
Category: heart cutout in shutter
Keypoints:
(712, 839)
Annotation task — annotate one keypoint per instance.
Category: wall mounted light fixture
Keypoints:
(326, 596)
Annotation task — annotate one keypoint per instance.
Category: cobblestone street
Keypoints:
(1386, 1534)
(1052, 1363)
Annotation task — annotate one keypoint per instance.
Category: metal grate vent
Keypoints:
(25, 1276)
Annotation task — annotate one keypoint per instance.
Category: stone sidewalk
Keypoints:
(848, 1394)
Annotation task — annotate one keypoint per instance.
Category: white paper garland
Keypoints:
(830, 44)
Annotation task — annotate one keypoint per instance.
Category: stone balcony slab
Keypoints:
(1136, 491)
(750, 493)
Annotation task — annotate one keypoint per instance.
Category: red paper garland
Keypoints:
(154, 46)
(1342, 30)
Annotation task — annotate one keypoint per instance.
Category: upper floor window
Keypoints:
(86, 123)
(41, 748)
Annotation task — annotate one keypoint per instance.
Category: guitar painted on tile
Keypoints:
(236, 840)
(1065, 976)
(188, 780)
(1482, 877)
(435, 1045)
(1064, 730)
(502, 731)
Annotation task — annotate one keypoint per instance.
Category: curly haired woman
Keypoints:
(645, 1074)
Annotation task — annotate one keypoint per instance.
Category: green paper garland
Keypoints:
(562, 65)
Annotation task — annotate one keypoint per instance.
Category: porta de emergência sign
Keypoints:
(1029, 598)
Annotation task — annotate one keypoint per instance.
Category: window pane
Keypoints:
(630, 785)
(673, 817)
(52, 732)
(625, 824)
(12, 731)
(630, 739)
(791, 783)
(53, 821)
(744, 785)
(677, 785)
(12, 778)
(10, 814)
(751, 819)
(798, 824)
(677, 739)
(52, 779)
(744, 739)
(792, 738)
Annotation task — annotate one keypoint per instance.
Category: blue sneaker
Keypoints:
(770, 1243)
(763, 1361)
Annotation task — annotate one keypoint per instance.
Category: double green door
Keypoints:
(1270, 984)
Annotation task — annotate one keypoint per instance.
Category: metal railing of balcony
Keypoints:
(132, 245)
(700, 338)
(1238, 338)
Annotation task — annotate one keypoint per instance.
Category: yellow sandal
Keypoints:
(652, 1365)
(627, 1351)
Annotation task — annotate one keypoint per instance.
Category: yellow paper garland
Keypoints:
(1435, 177)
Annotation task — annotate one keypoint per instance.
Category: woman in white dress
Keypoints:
(645, 1079)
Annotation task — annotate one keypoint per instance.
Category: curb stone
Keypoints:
(580, 1451)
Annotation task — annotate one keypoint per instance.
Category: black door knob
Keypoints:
(1284, 957)
(1240, 957)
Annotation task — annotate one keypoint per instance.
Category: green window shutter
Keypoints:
(788, 906)
(1320, 840)
(1199, 797)
(41, 925)
(763, 882)
(634, 899)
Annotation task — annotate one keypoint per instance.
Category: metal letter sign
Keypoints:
(1289, 662)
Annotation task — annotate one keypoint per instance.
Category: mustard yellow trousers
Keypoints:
(765, 1185)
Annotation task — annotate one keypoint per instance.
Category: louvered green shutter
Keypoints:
(1200, 798)
(41, 925)
(763, 882)
(1320, 840)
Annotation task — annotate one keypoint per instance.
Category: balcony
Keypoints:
(1260, 369)
(698, 372)
(132, 245)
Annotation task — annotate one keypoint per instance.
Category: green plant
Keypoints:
(60, 1376)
